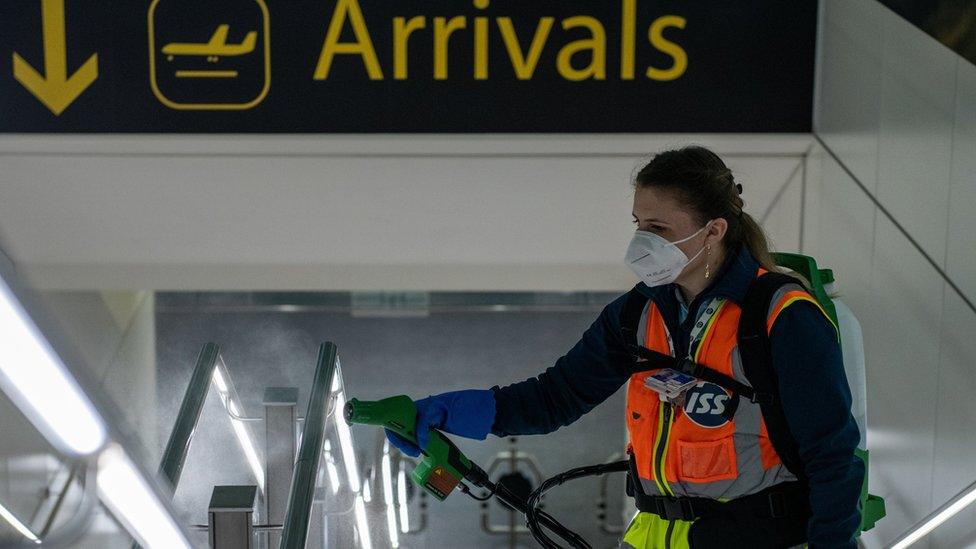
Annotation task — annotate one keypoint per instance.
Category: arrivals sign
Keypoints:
(406, 66)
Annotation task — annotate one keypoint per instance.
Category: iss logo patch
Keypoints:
(705, 405)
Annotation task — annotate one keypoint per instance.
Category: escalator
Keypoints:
(305, 486)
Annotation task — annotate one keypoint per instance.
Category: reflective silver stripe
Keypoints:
(704, 317)
(715, 489)
(779, 295)
(748, 420)
(650, 487)
(642, 326)
(737, 371)
(667, 334)
(748, 425)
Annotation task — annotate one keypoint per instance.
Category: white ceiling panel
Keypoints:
(383, 212)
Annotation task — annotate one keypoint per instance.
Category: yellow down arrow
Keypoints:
(55, 89)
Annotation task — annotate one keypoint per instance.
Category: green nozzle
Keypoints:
(397, 414)
(349, 411)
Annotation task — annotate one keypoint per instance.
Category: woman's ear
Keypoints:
(716, 231)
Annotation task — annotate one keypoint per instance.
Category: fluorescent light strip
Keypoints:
(349, 462)
(248, 446)
(367, 493)
(39, 383)
(17, 525)
(391, 523)
(362, 526)
(218, 379)
(963, 501)
(345, 445)
(402, 500)
(331, 468)
(127, 494)
(387, 480)
(240, 431)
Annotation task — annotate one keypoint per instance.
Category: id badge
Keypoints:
(670, 385)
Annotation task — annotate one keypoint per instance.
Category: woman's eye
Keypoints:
(654, 228)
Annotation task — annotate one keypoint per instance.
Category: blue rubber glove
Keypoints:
(468, 413)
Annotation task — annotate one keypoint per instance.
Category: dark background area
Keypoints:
(952, 22)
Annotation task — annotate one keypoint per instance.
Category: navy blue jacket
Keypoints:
(806, 355)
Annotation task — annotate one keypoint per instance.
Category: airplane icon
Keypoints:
(196, 62)
(215, 48)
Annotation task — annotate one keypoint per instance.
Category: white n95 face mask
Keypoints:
(657, 261)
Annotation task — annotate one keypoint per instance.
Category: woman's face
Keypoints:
(656, 211)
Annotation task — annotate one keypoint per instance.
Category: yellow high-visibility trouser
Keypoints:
(649, 531)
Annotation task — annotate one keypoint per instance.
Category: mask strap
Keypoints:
(696, 255)
(693, 235)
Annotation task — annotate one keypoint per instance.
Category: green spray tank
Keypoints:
(820, 282)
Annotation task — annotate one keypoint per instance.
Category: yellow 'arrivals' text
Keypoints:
(578, 60)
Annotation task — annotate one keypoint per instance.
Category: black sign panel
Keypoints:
(952, 22)
(406, 66)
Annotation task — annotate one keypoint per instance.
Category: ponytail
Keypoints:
(754, 237)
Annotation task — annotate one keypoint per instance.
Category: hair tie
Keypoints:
(738, 188)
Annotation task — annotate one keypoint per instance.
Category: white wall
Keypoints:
(115, 333)
(899, 109)
(468, 212)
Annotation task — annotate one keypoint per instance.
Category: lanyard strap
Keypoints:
(706, 315)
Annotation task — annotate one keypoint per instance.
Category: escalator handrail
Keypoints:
(295, 529)
(171, 466)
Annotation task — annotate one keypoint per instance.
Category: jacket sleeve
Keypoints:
(585, 376)
(816, 399)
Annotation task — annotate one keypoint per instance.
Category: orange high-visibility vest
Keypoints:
(700, 449)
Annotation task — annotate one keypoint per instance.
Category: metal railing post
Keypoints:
(279, 449)
(230, 513)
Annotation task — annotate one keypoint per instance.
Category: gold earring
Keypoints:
(708, 253)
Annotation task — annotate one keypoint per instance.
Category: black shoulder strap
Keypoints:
(630, 318)
(631, 315)
(757, 363)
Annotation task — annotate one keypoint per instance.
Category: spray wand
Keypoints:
(444, 468)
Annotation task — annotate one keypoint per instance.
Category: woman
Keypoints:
(703, 469)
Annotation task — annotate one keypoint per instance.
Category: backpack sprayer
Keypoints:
(444, 468)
